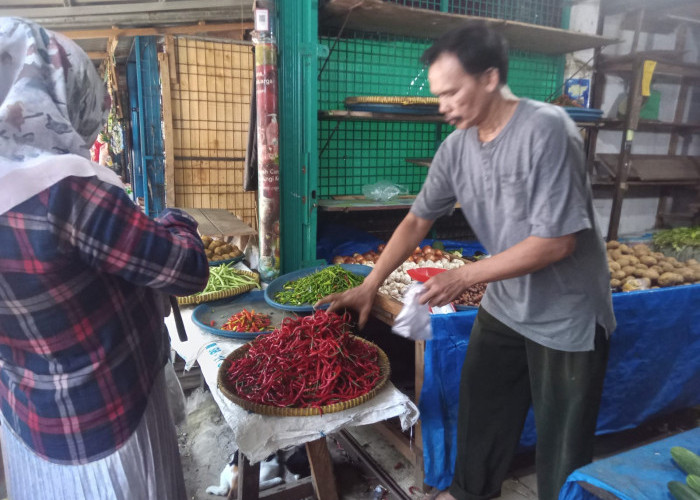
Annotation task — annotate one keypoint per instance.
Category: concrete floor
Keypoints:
(205, 447)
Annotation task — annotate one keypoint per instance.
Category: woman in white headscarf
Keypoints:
(82, 271)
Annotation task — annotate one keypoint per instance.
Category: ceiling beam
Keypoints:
(122, 8)
(96, 56)
(169, 30)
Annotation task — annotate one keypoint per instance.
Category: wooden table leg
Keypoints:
(248, 480)
(321, 470)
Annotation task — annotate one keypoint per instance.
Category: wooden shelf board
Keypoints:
(219, 222)
(649, 126)
(385, 17)
(343, 115)
(657, 168)
(667, 64)
(421, 162)
(360, 203)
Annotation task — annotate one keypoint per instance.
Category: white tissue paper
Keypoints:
(413, 321)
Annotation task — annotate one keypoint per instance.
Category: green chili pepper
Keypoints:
(308, 289)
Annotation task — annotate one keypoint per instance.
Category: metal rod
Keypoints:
(142, 146)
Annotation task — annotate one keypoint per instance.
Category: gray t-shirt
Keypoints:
(529, 181)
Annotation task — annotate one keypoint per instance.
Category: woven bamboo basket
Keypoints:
(199, 298)
(403, 100)
(278, 411)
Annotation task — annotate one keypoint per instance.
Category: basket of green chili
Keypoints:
(224, 281)
(310, 365)
(300, 290)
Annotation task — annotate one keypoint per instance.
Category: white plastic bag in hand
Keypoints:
(413, 321)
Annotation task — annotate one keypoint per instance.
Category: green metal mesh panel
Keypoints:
(355, 153)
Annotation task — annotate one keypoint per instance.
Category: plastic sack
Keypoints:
(176, 396)
(383, 190)
(413, 321)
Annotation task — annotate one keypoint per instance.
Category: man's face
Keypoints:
(464, 98)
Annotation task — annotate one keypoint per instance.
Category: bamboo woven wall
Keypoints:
(210, 116)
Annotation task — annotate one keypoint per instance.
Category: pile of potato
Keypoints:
(637, 267)
(219, 250)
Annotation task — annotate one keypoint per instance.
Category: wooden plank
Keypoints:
(421, 162)
(386, 17)
(226, 223)
(168, 143)
(297, 490)
(386, 308)
(321, 470)
(188, 29)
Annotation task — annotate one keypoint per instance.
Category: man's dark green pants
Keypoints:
(503, 374)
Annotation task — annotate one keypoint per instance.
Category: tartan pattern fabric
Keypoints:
(83, 275)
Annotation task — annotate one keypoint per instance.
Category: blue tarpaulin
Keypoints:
(639, 474)
(653, 369)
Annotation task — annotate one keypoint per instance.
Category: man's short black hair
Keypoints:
(477, 47)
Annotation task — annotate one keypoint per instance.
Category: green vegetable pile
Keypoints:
(689, 463)
(308, 289)
(225, 277)
(678, 238)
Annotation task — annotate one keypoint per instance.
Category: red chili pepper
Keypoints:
(307, 362)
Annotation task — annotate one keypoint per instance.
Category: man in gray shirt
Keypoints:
(516, 167)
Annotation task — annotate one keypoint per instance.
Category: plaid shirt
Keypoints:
(83, 273)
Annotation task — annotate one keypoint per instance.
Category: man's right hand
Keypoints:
(359, 299)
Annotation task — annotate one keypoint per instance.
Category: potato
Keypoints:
(634, 260)
(628, 270)
(652, 275)
(612, 244)
(618, 275)
(614, 266)
(691, 262)
(209, 253)
(616, 254)
(219, 250)
(625, 249)
(623, 261)
(640, 272)
(687, 273)
(658, 255)
(615, 283)
(670, 279)
(656, 268)
(667, 267)
(641, 249)
(647, 259)
(206, 240)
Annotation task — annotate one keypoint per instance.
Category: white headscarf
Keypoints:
(51, 109)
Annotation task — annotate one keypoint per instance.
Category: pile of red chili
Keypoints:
(247, 321)
(310, 361)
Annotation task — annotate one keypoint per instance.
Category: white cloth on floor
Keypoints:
(146, 467)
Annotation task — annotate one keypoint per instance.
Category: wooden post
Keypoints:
(321, 470)
(248, 480)
(164, 67)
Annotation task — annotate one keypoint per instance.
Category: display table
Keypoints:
(258, 436)
(653, 369)
(638, 474)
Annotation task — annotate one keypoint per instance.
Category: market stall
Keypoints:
(257, 436)
(637, 474)
(652, 370)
